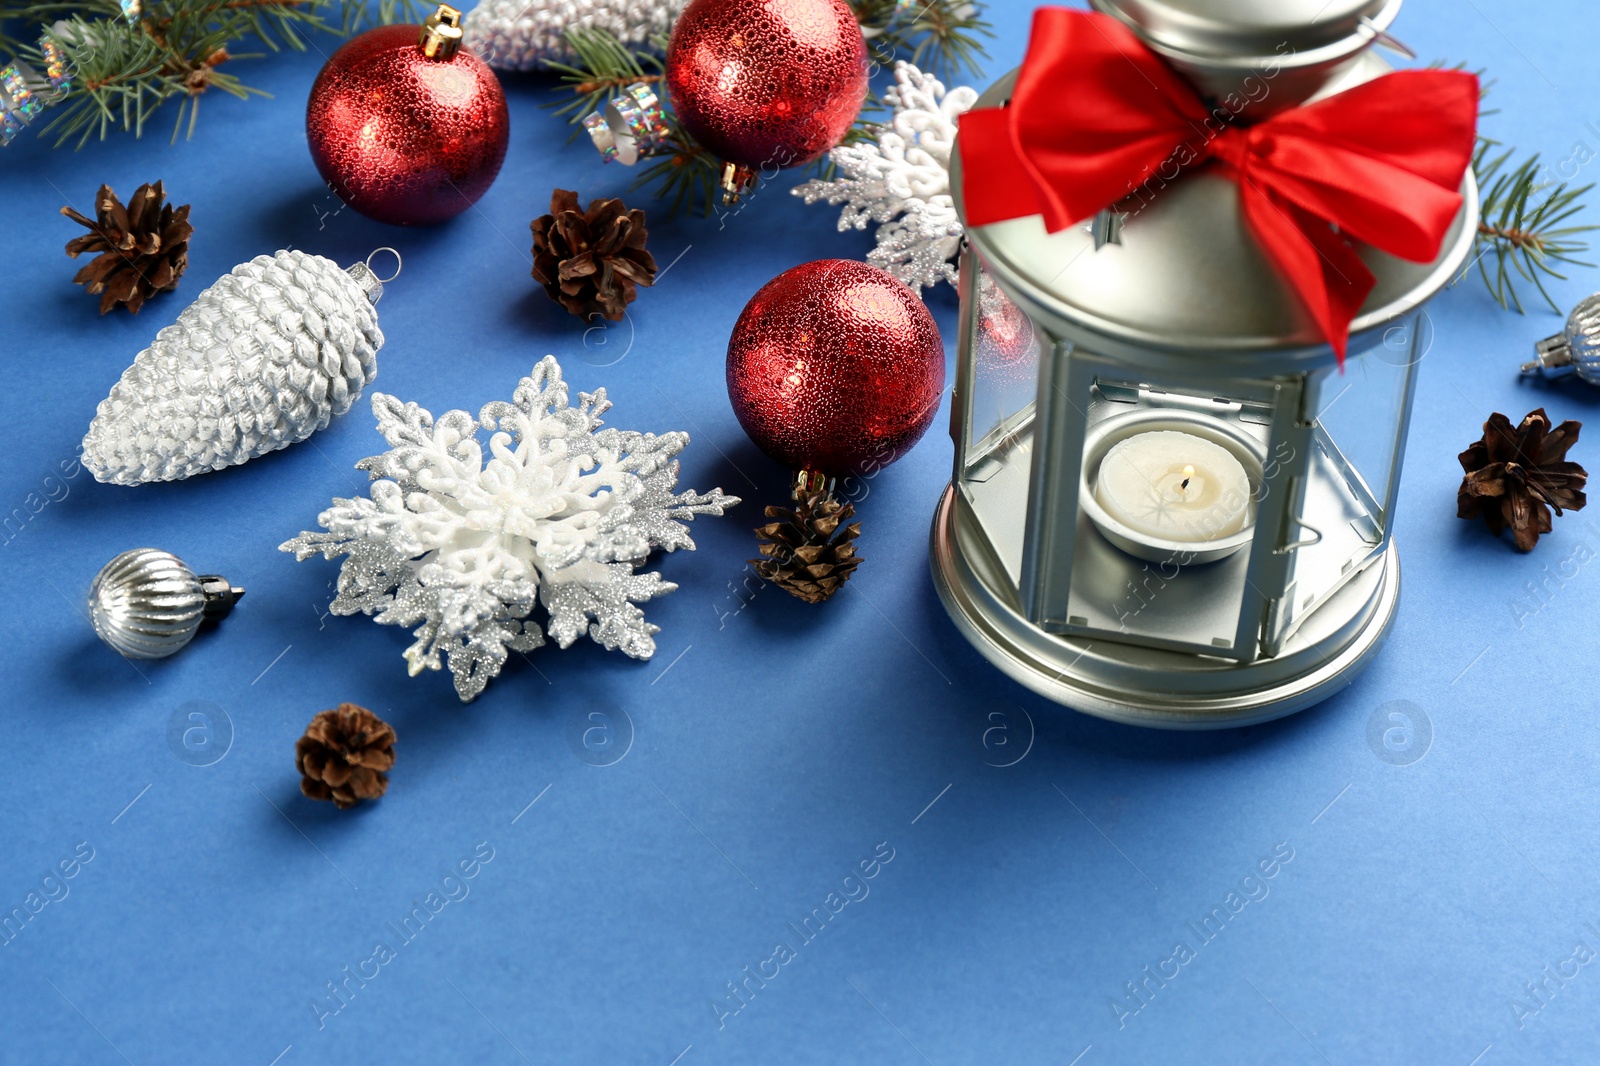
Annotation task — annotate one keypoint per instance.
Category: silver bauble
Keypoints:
(147, 603)
(1575, 349)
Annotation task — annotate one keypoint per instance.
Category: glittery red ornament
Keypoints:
(835, 367)
(767, 83)
(402, 136)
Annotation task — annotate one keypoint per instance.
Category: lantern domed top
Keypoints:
(1231, 29)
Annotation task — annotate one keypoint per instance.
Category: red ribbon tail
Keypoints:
(1319, 264)
(995, 184)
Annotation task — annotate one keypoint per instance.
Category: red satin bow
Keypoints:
(1096, 114)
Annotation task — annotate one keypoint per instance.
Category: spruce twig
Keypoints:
(1521, 216)
(604, 66)
(940, 36)
(1524, 226)
(686, 172)
(123, 70)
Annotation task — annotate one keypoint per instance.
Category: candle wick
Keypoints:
(1185, 483)
(1188, 472)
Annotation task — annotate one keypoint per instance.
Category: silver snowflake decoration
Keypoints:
(901, 180)
(463, 535)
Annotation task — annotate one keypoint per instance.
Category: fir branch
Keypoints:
(603, 67)
(1524, 225)
(124, 70)
(688, 173)
(939, 36)
(1521, 217)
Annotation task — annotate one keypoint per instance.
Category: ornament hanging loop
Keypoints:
(398, 263)
(371, 284)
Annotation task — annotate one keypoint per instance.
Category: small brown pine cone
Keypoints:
(809, 552)
(591, 262)
(344, 754)
(143, 248)
(1515, 476)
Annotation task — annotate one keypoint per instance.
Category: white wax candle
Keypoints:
(1175, 486)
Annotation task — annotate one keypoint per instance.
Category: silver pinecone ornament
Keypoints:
(261, 360)
(147, 604)
(527, 34)
(1576, 349)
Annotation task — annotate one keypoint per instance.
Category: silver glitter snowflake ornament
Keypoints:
(463, 535)
(901, 180)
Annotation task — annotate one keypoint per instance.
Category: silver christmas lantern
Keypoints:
(1170, 506)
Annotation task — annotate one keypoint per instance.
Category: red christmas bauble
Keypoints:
(1007, 349)
(767, 83)
(402, 137)
(835, 366)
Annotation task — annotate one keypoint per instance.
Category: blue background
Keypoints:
(774, 745)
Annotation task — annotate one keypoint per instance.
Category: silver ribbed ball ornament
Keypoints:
(147, 604)
(1576, 349)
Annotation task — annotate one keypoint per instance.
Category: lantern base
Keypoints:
(1146, 686)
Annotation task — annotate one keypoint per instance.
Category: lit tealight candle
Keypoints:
(1174, 486)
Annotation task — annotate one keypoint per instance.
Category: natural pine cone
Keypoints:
(144, 247)
(805, 552)
(343, 756)
(1515, 476)
(591, 262)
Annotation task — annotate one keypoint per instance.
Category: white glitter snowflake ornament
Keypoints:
(464, 542)
(901, 180)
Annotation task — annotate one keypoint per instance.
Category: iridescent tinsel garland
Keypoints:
(24, 93)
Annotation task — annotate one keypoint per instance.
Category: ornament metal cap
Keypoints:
(1576, 349)
(441, 33)
(736, 181)
(364, 276)
(148, 604)
(810, 483)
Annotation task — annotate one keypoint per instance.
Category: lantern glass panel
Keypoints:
(998, 381)
(1345, 505)
(1178, 596)
(1005, 358)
